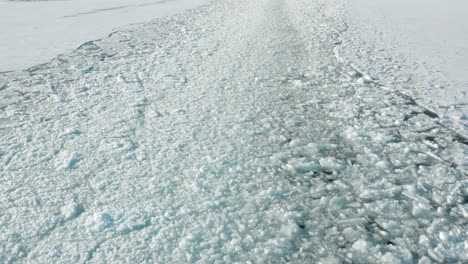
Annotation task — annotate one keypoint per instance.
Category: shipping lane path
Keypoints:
(231, 133)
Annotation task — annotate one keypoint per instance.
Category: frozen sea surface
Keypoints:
(419, 47)
(34, 32)
(238, 132)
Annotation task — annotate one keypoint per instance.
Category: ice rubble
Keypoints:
(231, 133)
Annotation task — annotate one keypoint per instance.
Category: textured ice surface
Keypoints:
(230, 133)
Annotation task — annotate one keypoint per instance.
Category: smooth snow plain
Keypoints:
(34, 32)
(238, 132)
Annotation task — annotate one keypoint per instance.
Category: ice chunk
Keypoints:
(332, 164)
(72, 210)
(337, 203)
(99, 222)
(351, 234)
(331, 260)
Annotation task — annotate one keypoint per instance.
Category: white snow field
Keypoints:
(237, 132)
(34, 32)
(417, 46)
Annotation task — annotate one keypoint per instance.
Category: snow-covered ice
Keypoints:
(418, 46)
(237, 132)
(34, 32)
